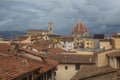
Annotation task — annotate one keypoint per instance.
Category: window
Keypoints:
(87, 43)
(110, 42)
(66, 67)
(63, 46)
(77, 66)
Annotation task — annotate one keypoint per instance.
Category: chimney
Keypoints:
(14, 47)
(44, 59)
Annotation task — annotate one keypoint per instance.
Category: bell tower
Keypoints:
(50, 27)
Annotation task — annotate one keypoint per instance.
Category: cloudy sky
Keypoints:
(100, 16)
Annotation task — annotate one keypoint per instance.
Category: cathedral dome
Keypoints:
(79, 28)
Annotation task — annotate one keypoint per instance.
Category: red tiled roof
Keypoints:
(72, 58)
(21, 38)
(47, 64)
(14, 66)
(22, 44)
(114, 54)
(36, 30)
(88, 37)
(65, 38)
(44, 43)
(30, 52)
(99, 52)
(53, 35)
(38, 47)
(56, 50)
(88, 71)
(79, 28)
(105, 40)
(116, 35)
(4, 46)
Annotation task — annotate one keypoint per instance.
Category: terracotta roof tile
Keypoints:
(114, 54)
(116, 35)
(105, 40)
(14, 66)
(47, 64)
(4, 46)
(65, 38)
(38, 47)
(30, 52)
(73, 58)
(22, 44)
(105, 51)
(87, 71)
(36, 30)
(56, 50)
(79, 28)
(21, 38)
(44, 43)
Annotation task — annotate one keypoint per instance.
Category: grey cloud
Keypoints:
(100, 16)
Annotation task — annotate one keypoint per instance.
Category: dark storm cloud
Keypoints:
(101, 16)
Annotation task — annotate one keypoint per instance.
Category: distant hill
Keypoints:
(11, 34)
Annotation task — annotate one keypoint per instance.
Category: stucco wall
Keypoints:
(88, 44)
(113, 62)
(105, 45)
(63, 74)
(116, 43)
(102, 59)
(67, 45)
